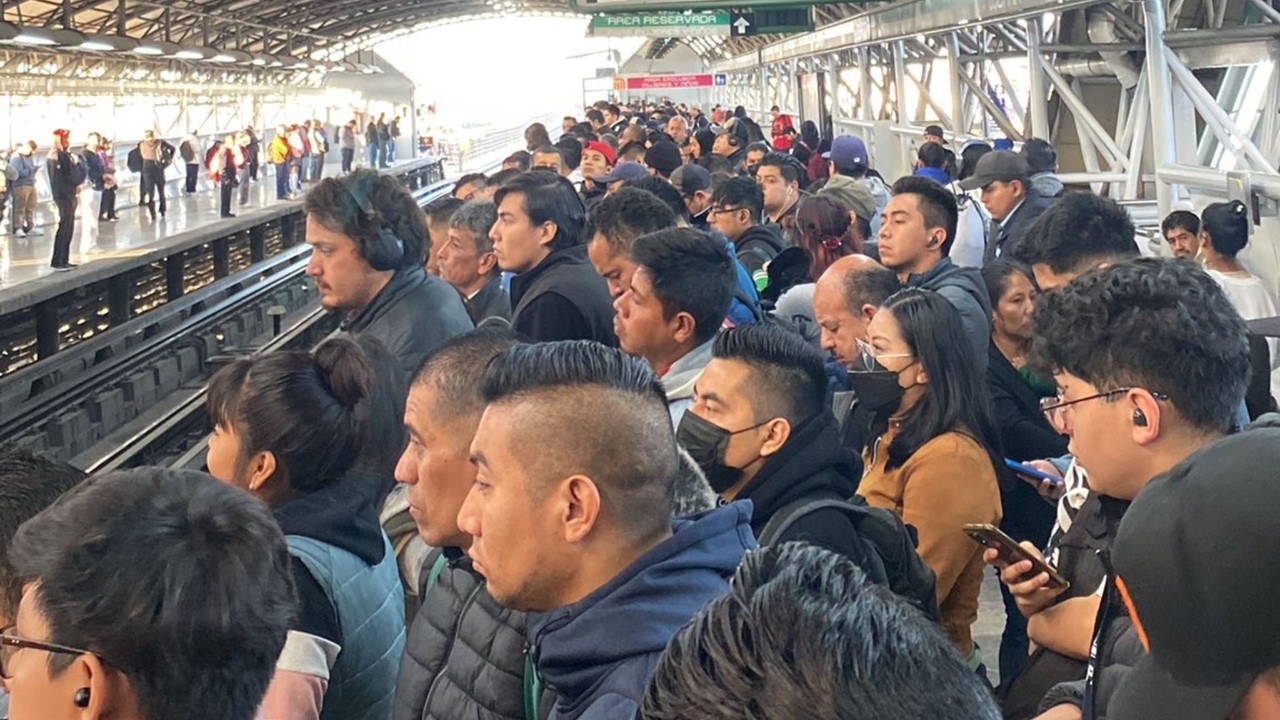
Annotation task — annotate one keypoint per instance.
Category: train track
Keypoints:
(172, 429)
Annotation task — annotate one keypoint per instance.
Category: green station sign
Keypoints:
(661, 24)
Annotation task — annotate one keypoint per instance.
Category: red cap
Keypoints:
(64, 134)
(603, 149)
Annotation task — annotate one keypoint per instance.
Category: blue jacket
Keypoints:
(599, 653)
(937, 175)
(26, 167)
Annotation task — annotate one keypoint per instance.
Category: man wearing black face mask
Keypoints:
(760, 429)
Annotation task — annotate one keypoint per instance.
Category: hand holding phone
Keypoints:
(1027, 471)
(1009, 552)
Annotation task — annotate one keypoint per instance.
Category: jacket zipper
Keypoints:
(457, 627)
(875, 446)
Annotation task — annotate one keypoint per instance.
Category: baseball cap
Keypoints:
(603, 148)
(852, 195)
(689, 179)
(847, 151)
(1191, 559)
(664, 157)
(625, 171)
(997, 166)
(935, 130)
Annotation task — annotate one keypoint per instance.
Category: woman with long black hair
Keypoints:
(935, 459)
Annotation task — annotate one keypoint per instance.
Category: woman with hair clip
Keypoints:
(935, 457)
(286, 429)
(1224, 232)
(823, 235)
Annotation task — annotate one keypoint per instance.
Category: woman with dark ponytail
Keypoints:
(286, 430)
(1224, 231)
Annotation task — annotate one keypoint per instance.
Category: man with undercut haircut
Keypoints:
(442, 675)
(570, 521)
(681, 289)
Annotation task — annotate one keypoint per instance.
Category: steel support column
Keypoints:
(960, 123)
(1159, 87)
(1038, 103)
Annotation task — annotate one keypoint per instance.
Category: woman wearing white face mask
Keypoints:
(934, 460)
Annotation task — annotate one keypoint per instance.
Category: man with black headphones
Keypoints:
(367, 233)
(918, 228)
(779, 178)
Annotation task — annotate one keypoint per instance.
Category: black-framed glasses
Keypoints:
(10, 643)
(719, 210)
(1053, 407)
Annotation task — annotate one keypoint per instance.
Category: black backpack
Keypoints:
(165, 154)
(134, 161)
(889, 547)
(78, 172)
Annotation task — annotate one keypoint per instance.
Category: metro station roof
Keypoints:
(289, 28)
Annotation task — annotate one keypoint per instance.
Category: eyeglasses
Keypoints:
(10, 644)
(868, 357)
(719, 210)
(1053, 407)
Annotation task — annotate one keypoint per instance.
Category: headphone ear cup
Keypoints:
(386, 252)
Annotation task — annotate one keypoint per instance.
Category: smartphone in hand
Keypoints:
(1011, 552)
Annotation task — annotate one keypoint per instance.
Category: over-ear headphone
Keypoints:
(1139, 418)
(386, 251)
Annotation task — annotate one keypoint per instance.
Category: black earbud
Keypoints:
(1139, 418)
(81, 698)
(933, 242)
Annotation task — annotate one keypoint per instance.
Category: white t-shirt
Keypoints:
(1253, 300)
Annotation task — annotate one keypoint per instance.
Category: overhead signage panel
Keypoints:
(611, 6)
(661, 24)
(669, 82)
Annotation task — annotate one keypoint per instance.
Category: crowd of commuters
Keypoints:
(83, 185)
(591, 445)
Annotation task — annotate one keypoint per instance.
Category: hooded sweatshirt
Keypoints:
(598, 654)
(680, 378)
(962, 287)
(756, 246)
(937, 175)
(811, 465)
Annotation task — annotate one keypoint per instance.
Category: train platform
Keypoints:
(26, 277)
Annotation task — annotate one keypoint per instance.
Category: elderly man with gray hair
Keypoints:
(467, 262)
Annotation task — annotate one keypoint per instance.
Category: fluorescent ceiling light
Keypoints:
(34, 36)
(189, 54)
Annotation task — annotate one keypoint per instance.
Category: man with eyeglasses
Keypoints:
(1150, 360)
(736, 207)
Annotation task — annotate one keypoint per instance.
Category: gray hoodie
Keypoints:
(682, 376)
(962, 287)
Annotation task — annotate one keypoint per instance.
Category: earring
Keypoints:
(81, 698)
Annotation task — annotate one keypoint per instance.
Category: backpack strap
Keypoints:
(434, 575)
(791, 513)
(532, 686)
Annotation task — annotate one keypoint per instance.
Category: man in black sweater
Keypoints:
(555, 294)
